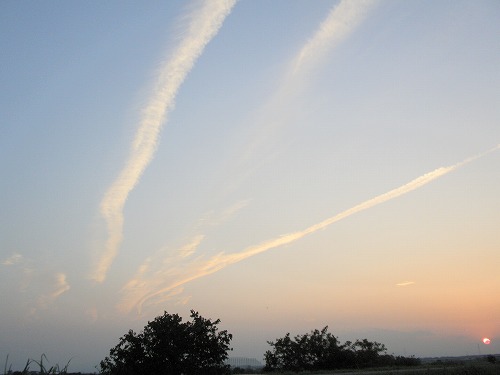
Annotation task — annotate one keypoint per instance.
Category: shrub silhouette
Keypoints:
(321, 350)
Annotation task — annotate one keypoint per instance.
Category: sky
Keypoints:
(280, 165)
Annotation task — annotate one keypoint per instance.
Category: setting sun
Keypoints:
(486, 341)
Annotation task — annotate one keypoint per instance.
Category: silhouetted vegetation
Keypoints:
(43, 368)
(321, 350)
(169, 346)
(246, 370)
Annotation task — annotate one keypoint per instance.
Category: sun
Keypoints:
(486, 341)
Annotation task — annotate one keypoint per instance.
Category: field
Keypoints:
(478, 365)
(475, 366)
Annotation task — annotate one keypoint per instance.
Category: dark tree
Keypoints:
(320, 350)
(369, 354)
(315, 351)
(169, 346)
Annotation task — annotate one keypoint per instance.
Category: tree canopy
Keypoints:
(169, 346)
(321, 350)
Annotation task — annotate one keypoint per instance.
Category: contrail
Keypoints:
(164, 265)
(203, 26)
(200, 267)
(340, 22)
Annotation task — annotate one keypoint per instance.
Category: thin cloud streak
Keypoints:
(203, 26)
(406, 283)
(340, 22)
(60, 286)
(13, 259)
(200, 267)
(165, 265)
(151, 276)
(189, 249)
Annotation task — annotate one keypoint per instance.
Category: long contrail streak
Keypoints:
(203, 26)
(200, 267)
(342, 20)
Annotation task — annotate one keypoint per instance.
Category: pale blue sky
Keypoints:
(252, 150)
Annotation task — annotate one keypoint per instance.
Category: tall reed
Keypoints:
(52, 370)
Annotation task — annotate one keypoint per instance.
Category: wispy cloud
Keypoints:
(36, 282)
(24, 269)
(149, 281)
(342, 20)
(13, 259)
(172, 276)
(158, 270)
(203, 26)
(405, 283)
(189, 249)
(59, 286)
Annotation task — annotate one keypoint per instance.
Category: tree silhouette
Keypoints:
(321, 350)
(169, 346)
(314, 351)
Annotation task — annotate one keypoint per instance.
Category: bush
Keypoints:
(169, 346)
(320, 350)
